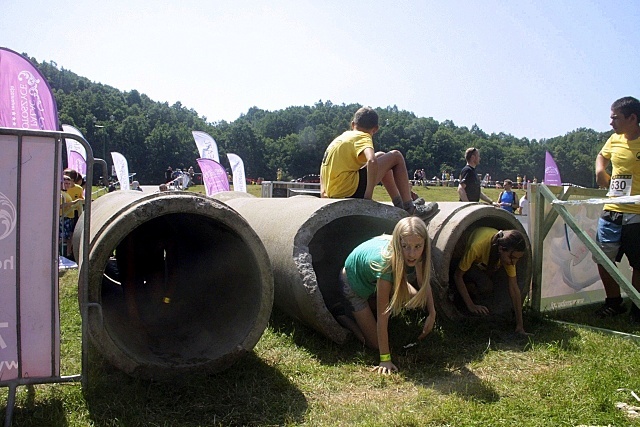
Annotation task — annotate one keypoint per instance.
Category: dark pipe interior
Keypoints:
(212, 279)
(332, 243)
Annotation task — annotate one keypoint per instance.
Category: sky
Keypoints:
(534, 69)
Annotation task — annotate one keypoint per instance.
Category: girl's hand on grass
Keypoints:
(385, 368)
(479, 309)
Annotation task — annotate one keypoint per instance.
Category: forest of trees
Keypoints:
(153, 135)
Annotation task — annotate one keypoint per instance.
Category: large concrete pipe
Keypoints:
(308, 239)
(190, 286)
(449, 231)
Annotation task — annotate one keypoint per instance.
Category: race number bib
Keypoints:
(620, 186)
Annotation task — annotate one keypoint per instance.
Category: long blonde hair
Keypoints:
(393, 260)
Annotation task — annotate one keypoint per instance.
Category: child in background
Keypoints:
(508, 200)
(76, 192)
(67, 208)
(381, 266)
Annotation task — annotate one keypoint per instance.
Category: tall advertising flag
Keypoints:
(122, 169)
(214, 176)
(76, 162)
(207, 147)
(29, 215)
(551, 171)
(76, 153)
(26, 100)
(237, 170)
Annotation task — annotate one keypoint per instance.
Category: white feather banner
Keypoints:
(207, 147)
(237, 170)
(122, 169)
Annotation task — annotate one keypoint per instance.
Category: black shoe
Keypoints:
(610, 310)
(426, 211)
(419, 201)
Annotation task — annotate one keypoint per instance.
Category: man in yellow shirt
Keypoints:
(351, 168)
(619, 225)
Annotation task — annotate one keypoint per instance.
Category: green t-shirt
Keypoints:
(363, 266)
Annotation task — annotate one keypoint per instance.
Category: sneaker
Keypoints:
(610, 310)
(419, 201)
(427, 211)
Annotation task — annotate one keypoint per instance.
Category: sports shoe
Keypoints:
(610, 310)
(426, 211)
(419, 201)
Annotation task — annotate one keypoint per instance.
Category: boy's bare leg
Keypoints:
(394, 175)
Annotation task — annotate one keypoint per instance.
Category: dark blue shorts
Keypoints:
(616, 239)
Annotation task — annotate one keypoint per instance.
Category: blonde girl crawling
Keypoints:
(381, 266)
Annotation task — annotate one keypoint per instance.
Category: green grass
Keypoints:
(473, 373)
(469, 374)
(431, 194)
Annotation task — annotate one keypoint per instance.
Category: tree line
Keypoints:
(153, 135)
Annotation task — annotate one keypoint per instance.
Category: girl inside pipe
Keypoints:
(487, 250)
(383, 266)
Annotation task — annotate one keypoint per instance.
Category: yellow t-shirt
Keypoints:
(76, 192)
(341, 162)
(66, 211)
(625, 172)
(478, 250)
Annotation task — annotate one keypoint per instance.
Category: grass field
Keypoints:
(474, 373)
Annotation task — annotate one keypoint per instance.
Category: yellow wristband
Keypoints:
(385, 357)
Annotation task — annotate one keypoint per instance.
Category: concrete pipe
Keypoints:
(190, 286)
(308, 239)
(449, 231)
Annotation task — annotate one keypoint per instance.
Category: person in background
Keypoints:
(417, 177)
(168, 175)
(76, 191)
(382, 267)
(485, 180)
(618, 230)
(508, 199)
(67, 208)
(135, 185)
(488, 250)
(469, 188)
(351, 168)
(524, 205)
(192, 175)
